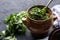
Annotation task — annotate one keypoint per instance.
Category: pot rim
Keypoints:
(38, 20)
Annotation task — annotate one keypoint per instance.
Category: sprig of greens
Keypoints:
(14, 22)
(10, 38)
(14, 25)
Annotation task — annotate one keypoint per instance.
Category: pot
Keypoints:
(39, 27)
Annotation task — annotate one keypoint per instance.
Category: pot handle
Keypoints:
(25, 21)
(54, 17)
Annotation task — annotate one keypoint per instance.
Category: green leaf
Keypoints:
(11, 38)
(22, 14)
(43, 11)
(10, 17)
(1, 35)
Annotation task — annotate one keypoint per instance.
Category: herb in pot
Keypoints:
(38, 13)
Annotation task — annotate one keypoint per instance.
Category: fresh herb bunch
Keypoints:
(14, 25)
(38, 13)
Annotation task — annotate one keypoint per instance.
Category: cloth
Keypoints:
(56, 11)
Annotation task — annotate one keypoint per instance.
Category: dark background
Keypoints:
(12, 6)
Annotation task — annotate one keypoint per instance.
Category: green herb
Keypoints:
(10, 17)
(10, 38)
(38, 13)
(14, 26)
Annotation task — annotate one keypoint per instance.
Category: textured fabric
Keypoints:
(56, 12)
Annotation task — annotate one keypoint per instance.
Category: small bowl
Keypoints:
(55, 34)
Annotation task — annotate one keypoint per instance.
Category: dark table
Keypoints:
(12, 6)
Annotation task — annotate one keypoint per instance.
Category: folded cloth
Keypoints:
(56, 11)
